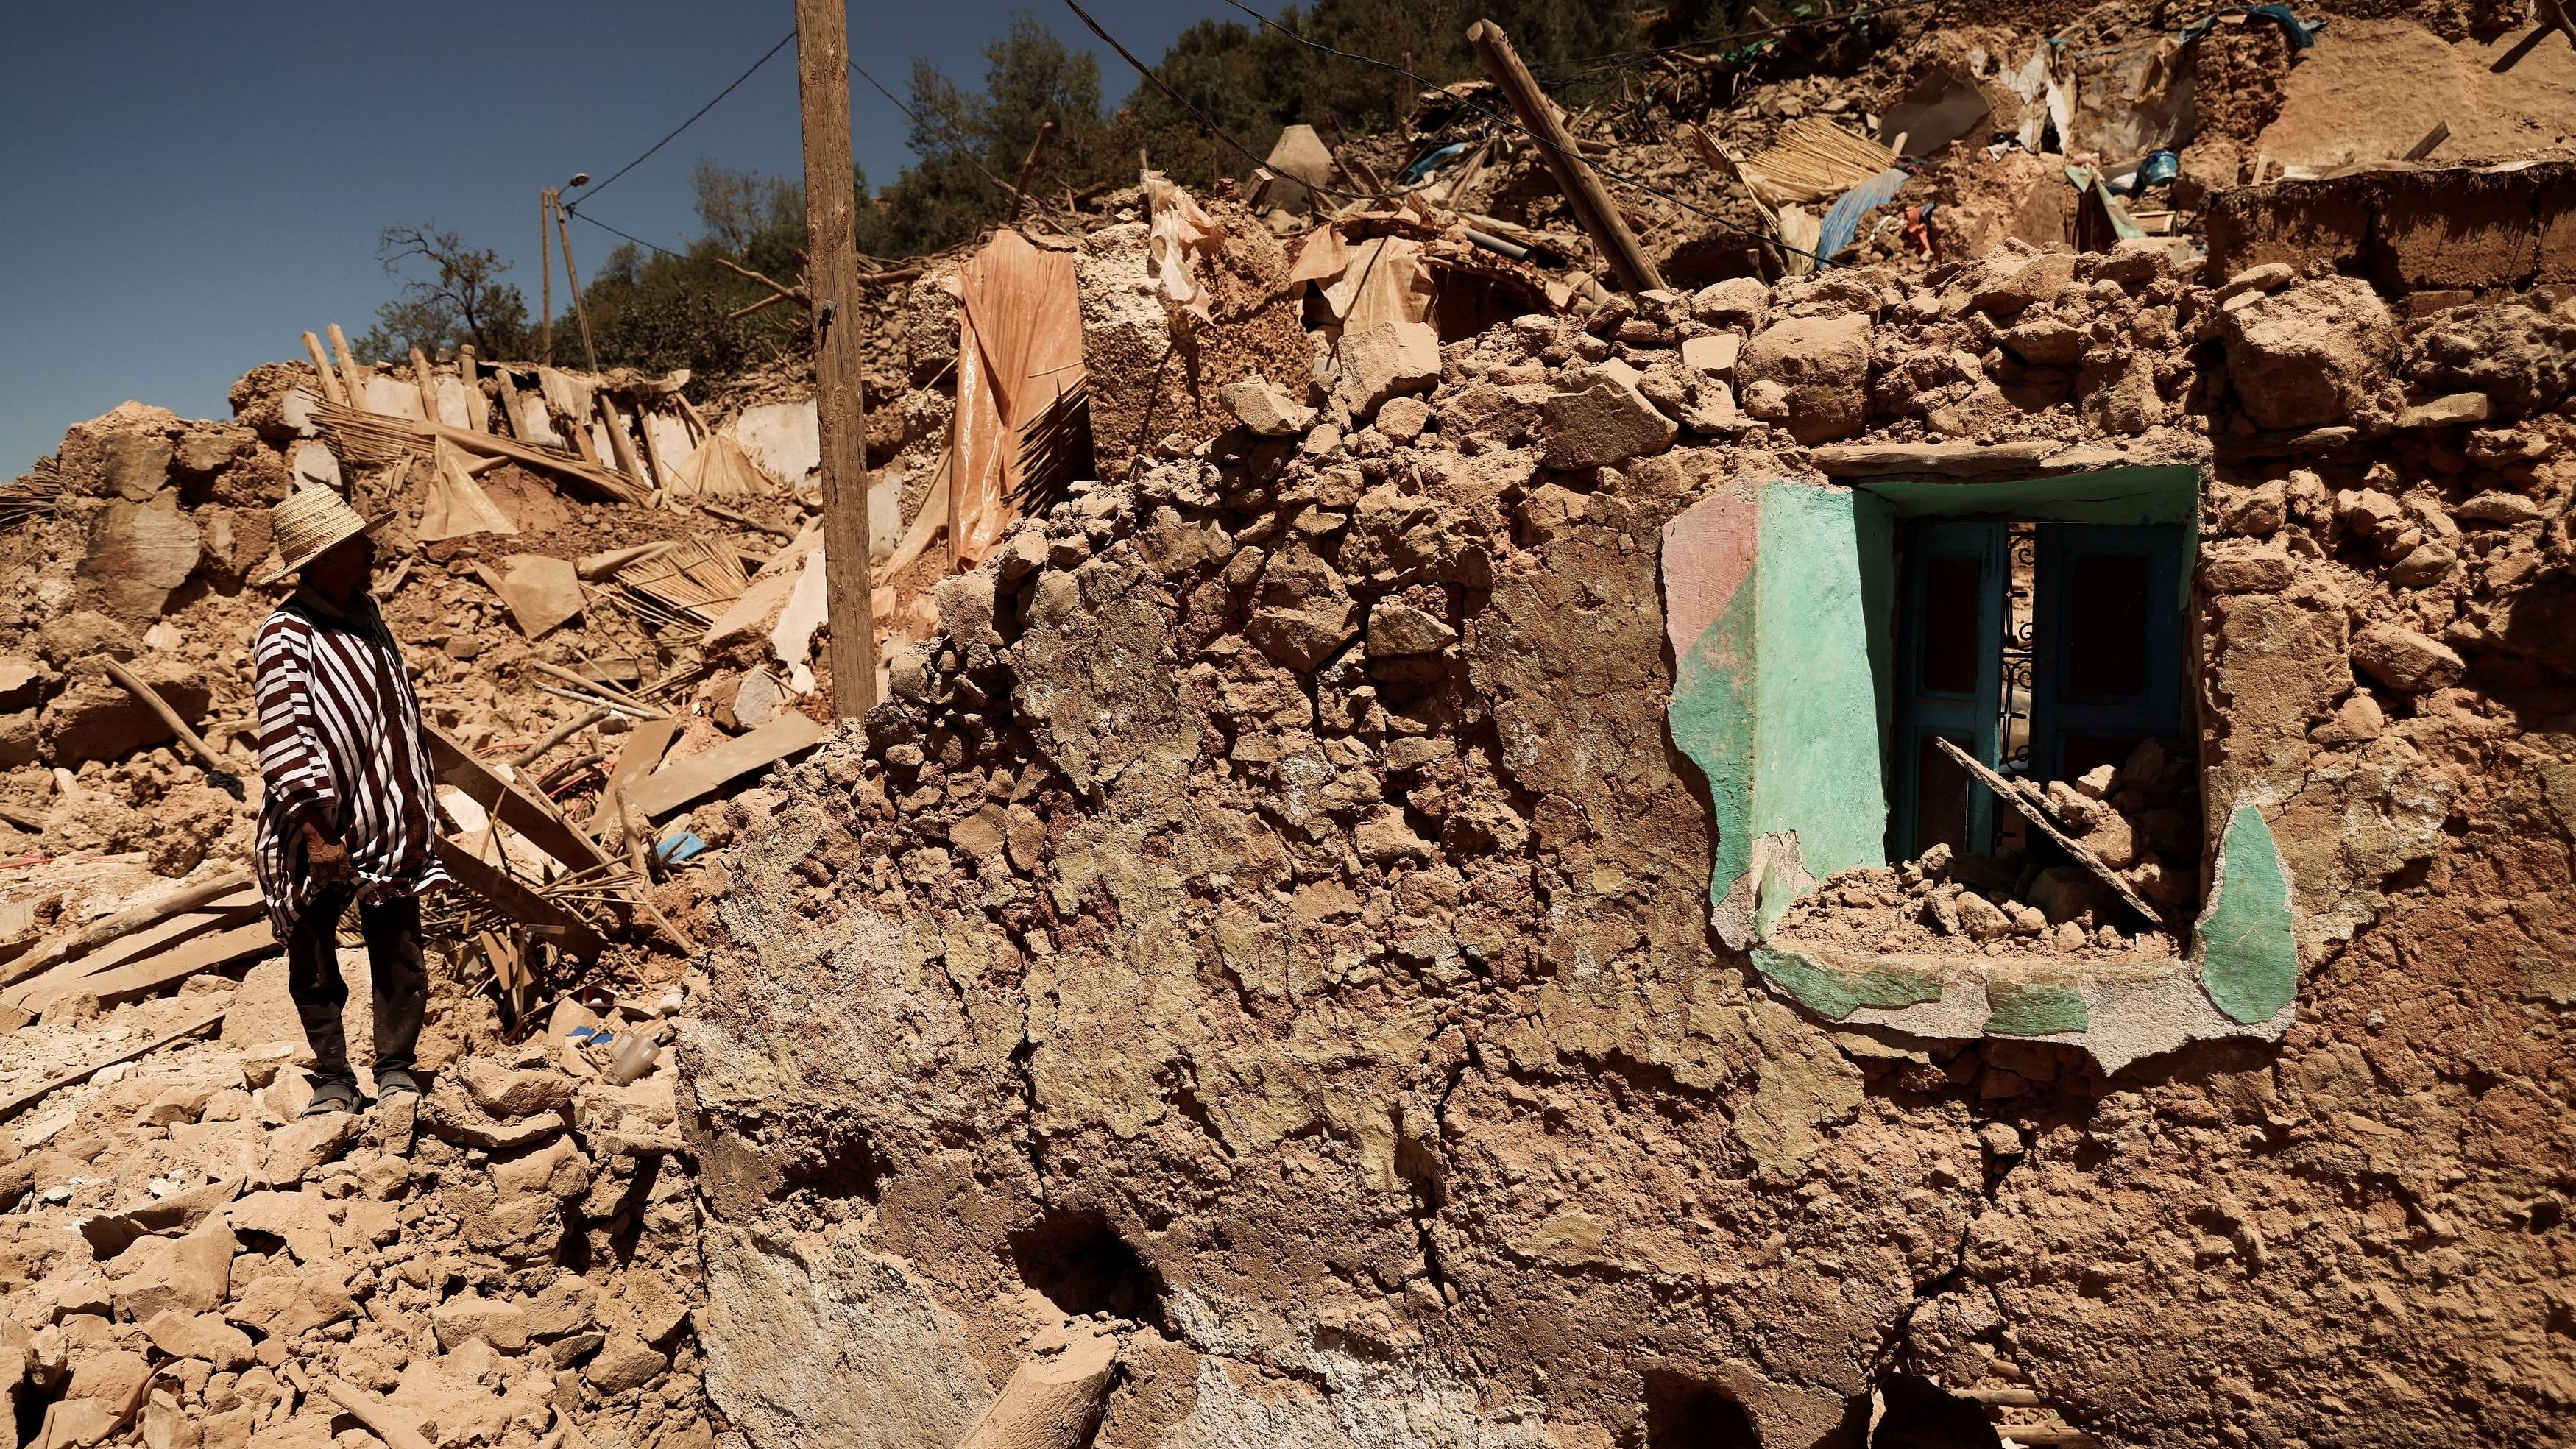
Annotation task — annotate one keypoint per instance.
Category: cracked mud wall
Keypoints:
(1273, 917)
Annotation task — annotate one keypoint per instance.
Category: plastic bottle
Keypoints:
(635, 1056)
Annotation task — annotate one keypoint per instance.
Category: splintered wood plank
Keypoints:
(2039, 820)
(514, 807)
(686, 780)
(124, 923)
(169, 968)
(222, 911)
(643, 751)
(517, 901)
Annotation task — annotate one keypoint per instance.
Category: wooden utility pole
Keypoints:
(1583, 190)
(840, 403)
(572, 283)
(546, 263)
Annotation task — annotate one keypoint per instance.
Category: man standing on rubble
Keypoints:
(349, 815)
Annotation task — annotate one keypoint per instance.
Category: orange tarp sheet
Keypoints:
(1019, 353)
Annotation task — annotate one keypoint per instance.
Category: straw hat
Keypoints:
(308, 525)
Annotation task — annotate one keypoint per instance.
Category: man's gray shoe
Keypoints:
(332, 1095)
(393, 1080)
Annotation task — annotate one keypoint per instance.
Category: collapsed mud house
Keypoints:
(1938, 849)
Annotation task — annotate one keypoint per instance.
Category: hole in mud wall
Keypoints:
(1920, 1416)
(1083, 1267)
(838, 1166)
(1683, 1413)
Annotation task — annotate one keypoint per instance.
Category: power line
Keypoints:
(613, 231)
(1863, 12)
(1209, 125)
(691, 121)
(1499, 119)
(964, 147)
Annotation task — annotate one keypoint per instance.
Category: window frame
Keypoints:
(1780, 606)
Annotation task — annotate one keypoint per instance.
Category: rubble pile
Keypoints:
(194, 1261)
(2138, 819)
(1266, 923)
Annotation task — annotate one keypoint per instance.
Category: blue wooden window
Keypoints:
(2106, 657)
(1952, 608)
(2106, 663)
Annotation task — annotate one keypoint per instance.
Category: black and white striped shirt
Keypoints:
(340, 744)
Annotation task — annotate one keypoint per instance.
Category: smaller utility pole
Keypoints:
(1583, 190)
(572, 282)
(840, 403)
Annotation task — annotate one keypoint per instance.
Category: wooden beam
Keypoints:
(778, 291)
(465, 371)
(82, 1073)
(354, 377)
(685, 781)
(1029, 163)
(124, 923)
(166, 968)
(1948, 460)
(1591, 201)
(517, 901)
(618, 443)
(152, 700)
(652, 450)
(512, 806)
(223, 912)
(333, 389)
(509, 405)
(426, 383)
(642, 751)
(2038, 818)
(841, 406)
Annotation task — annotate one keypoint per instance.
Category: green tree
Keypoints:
(760, 219)
(968, 146)
(461, 300)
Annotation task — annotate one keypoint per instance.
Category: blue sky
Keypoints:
(190, 186)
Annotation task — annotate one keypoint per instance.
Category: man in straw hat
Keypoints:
(349, 815)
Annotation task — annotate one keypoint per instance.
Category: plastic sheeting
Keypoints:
(1842, 219)
(1179, 238)
(457, 505)
(719, 468)
(1019, 358)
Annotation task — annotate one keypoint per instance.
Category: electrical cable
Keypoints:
(1512, 121)
(954, 134)
(613, 231)
(1865, 12)
(1210, 127)
(782, 44)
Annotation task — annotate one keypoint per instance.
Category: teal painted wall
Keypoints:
(2249, 952)
(1816, 734)
(1711, 716)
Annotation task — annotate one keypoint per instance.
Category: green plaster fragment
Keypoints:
(2034, 1008)
(1837, 994)
(1712, 721)
(2249, 957)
